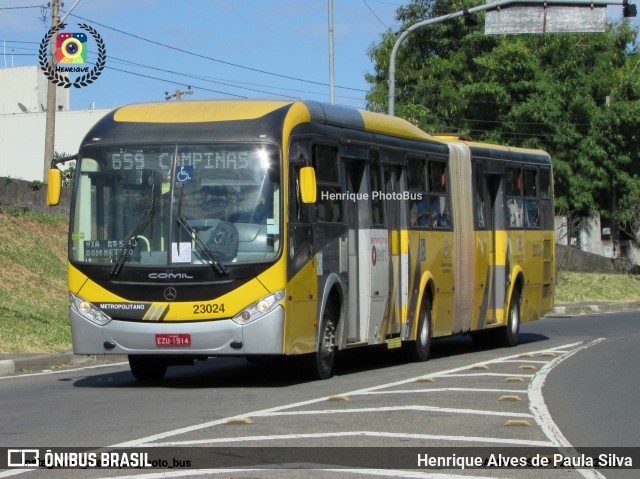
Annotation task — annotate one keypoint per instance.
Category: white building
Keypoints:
(592, 236)
(24, 90)
(23, 98)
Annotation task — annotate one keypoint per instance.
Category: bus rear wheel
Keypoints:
(147, 368)
(418, 350)
(507, 336)
(321, 363)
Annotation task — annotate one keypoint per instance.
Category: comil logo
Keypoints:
(71, 54)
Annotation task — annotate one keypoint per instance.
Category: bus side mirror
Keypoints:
(54, 186)
(308, 184)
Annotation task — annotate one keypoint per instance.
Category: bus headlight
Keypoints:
(259, 308)
(88, 311)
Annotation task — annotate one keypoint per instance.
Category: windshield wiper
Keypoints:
(214, 262)
(132, 240)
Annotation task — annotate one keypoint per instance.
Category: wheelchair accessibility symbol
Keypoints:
(185, 175)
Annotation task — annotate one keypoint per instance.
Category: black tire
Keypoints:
(147, 368)
(321, 363)
(418, 350)
(507, 336)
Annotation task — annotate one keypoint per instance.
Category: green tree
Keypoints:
(69, 171)
(576, 96)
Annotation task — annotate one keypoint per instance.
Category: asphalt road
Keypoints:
(571, 381)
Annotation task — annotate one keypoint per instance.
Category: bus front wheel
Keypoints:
(147, 368)
(322, 361)
(507, 336)
(419, 349)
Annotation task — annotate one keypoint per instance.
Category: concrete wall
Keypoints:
(21, 194)
(22, 140)
(572, 259)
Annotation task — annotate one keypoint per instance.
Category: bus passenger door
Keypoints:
(357, 301)
(397, 262)
(495, 226)
(366, 249)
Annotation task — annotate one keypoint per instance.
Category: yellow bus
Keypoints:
(268, 228)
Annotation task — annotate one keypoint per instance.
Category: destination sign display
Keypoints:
(196, 157)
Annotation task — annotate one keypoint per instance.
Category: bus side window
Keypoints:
(531, 198)
(375, 185)
(299, 212)
(438, 188)
(419, 215)
(479, 197)
(329, 202)
(546, 204)
(299, 223)
(545, 183)
(513, 191)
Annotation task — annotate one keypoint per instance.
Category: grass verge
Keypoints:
(33, 283)
(596, 287)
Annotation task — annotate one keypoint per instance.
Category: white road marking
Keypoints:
(321, 435)
(339, 472)
(541, 414)
(497, 375)
(197, 427)
(549, 428)
(439, 390)
(392, 409)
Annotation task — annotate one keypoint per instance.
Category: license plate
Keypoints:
(173, 340)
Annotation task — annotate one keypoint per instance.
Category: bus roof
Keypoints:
(206, 111)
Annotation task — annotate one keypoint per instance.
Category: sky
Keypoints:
(221, 48)
(275, 49)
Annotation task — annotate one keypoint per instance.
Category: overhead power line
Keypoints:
(206, 57)
(19, 8)
(374, 14)
(279, 92)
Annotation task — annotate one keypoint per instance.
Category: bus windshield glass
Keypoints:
(176, 205)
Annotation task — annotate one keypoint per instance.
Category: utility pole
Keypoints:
(178, 94)
(332, 95)
(50, 127)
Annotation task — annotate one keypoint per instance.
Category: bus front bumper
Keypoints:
(206, 338)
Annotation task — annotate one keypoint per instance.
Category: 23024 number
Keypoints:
(209, 308)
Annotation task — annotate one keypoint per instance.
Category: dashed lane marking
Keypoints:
(376, 434)
(391, 409)
(339, 472)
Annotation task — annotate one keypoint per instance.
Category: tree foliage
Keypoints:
(575, 95)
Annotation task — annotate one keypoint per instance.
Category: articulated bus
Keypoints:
(287, 228)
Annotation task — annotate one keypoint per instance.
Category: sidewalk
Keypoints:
(20, 363)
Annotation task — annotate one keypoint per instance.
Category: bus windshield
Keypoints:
(176, 205)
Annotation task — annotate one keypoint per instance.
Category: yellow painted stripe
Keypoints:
(404, 241)
(197, 111)
(392, 125)
(501, 248)
(394, 243)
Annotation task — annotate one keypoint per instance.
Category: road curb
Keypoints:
(591, 308)
(43, 362)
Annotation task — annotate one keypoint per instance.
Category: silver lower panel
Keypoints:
(208, 338)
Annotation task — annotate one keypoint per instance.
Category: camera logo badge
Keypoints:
(71, 56)
(71, 48)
